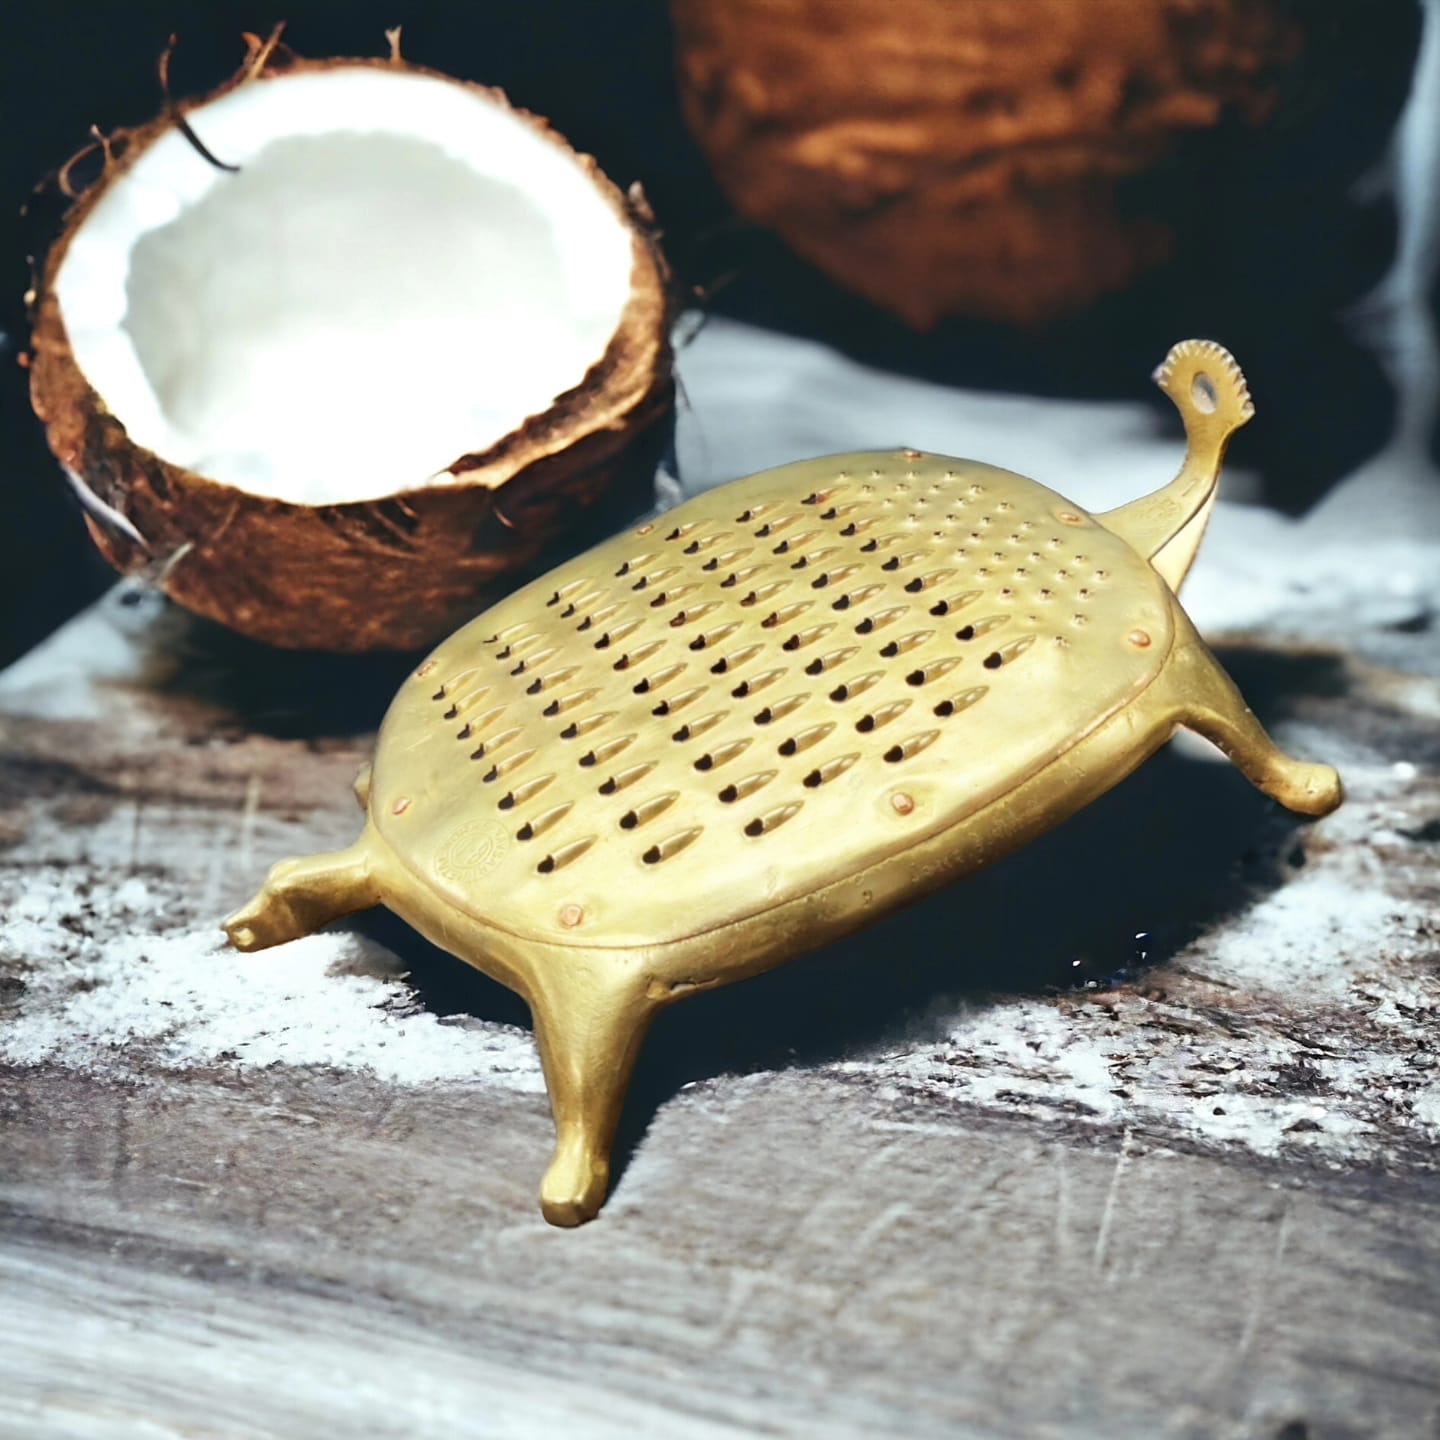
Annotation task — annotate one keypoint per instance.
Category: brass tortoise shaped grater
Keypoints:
(767, 718)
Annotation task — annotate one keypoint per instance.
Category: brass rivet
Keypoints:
(644, 529)
(902, 803)
(425, 669)
(571, 916)
(1139, 638)
(401, 806)
(1069, 517)
(912, 454)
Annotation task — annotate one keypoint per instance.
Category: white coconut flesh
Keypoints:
(401, 273)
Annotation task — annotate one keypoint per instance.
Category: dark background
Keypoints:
(1301, 240)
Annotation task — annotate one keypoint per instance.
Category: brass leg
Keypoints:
(1208, 702)
(299, 896)
(589, 1035)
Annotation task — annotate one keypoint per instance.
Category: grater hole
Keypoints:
(890, 651)
(813, 498)
(677, 619)
(770, 621)
(546, 865)
(894, 754)
(603, 643)
(783, 548)
(492, 774)
(843, 603)
(567, 612)
(941, 607)
(663, 708)
(813, 780)
(553, 708)
(915, 586)
(642, 583)
(525, 832)
(741, 690)
(849, 530)
(503, 654)
(788, 747)
(641, 688)
(755, 827)
(728, 583)
(865, 626)
(585, 624)
(994, 660)
(674, 534)
(705, 762)
(570, 731)
(587, 759)
(439, 694)
(915, 677)
(830, 514)
(802, 563)
(820, 582)
(463, 733)
(693, 548)
(865, 724)
(478, 754)
(729, 795)
(793, 643)
(720, 666)
(713, 563)
(553, 600)
(507, 801)
(815, 667)
(945, 708)
(750, 599)
(533, 688)
(681, 735)
(966, 632)
(623, 570)
(698, 643)
(765, 716)
(658, 601)
(763, 532)
(893, 563)
(607, 787)
(744, 516)
(451, 713)
(629, 820)
(652, 855)
(519, 669)
(840, 692)
(869, 547)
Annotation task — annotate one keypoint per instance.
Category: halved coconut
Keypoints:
(327, 395)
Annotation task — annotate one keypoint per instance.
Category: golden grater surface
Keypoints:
(767, 690)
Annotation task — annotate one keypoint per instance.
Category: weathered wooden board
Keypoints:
(289, 1194)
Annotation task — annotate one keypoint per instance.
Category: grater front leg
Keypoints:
(589, 1030)
(1210, 704)
(301, 896)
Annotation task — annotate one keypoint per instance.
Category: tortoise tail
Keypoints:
(1210, 392)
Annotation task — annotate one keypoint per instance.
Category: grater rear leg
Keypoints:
(300, 896)
(1209, 703)
(589, 1032)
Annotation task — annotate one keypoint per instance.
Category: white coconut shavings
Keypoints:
(109, 989)
(1201, 1050)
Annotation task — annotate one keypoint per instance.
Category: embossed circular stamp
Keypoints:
(473, 850)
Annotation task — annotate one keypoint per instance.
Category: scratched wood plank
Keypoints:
(839, 1212)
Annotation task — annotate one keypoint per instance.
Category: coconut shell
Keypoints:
(970, 157)
(395, 573)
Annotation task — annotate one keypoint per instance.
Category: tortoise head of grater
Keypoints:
(769, 717)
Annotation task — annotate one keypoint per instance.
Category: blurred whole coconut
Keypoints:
(975, 157)
(330, 350)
